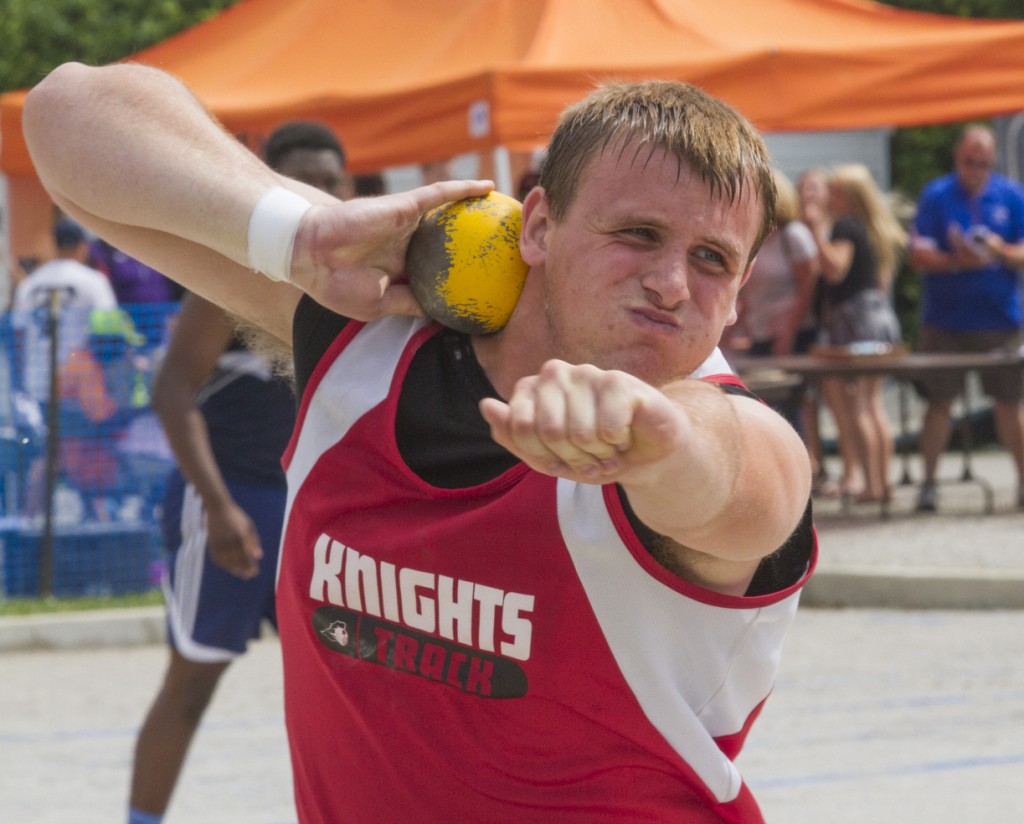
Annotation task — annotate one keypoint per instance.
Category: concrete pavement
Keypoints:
(898, 716)
(962, 557)
(68, 722)
(911, 717)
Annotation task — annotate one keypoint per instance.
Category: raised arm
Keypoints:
(835, 256)
(723, 477)
(130, 152)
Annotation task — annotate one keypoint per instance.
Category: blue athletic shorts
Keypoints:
(212, 614)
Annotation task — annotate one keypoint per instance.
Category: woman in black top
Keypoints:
(859, 253)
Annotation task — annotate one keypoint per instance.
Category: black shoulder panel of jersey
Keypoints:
(313, 330)
(777, 571)
(734, 386)
(439, 430)
(735, 389)
(788, 564)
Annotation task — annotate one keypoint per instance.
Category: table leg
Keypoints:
(906, 479)
(967, 447)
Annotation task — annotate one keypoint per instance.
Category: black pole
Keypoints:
(52, 449)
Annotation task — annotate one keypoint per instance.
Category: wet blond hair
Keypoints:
(701, 131)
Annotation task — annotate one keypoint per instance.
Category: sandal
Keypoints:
(826, 489)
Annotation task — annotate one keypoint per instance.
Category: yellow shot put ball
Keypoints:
(463, 263)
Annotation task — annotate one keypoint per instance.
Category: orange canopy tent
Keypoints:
(412, 80)
(409, 81)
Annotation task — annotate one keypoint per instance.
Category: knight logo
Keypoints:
(415, 653)
(337, 632)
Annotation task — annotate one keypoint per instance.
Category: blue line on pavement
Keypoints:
(895, 772)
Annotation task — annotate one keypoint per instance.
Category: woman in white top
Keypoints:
(776, 306)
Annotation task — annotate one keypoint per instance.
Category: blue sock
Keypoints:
(139, 817)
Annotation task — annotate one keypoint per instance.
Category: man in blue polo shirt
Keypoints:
(968, 243)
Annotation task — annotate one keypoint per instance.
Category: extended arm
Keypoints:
(154, 174)
(724, 477)
(131, 153)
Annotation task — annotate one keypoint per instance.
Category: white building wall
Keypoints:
(793, 152)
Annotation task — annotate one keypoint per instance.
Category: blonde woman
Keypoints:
(859, 249)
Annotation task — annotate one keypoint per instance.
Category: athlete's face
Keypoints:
(320, 168)
(643, 272)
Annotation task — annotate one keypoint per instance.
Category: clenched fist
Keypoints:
(584, 423)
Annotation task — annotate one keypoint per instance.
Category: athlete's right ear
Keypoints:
(536, 222)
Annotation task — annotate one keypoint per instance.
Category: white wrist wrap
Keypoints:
(272, 228)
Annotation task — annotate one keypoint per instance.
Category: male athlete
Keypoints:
(539, 576)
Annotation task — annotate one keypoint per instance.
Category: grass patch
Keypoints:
(37, 606)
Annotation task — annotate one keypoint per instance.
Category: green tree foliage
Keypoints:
(921, 153)
(38, 35)
(987, 9)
